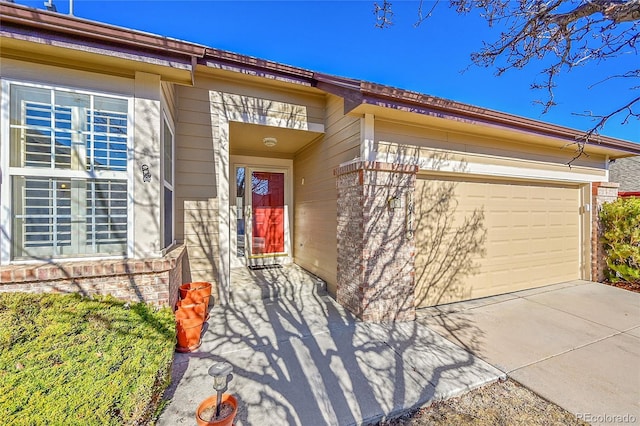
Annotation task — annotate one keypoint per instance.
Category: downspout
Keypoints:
(194, 62)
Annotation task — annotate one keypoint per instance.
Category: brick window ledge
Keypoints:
(25, 273)
(149, 280)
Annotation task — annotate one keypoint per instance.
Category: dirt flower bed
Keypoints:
(501, 403)
(631, 286)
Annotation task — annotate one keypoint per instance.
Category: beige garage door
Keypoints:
(482, 238)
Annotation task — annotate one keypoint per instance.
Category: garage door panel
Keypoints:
(516, 236)
(524, 261)
(557, 219)
(517, 249)
(501, 251)
(539, 219)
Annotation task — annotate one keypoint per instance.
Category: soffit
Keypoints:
(248, 138)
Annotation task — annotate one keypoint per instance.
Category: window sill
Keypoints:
(68, 270)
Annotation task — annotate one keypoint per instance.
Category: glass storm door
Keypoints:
(267, 213)
(259, 222)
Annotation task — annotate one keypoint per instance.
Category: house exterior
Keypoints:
(133, 162)
(626, 172)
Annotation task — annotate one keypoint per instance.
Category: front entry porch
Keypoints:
(302, 359)
(273, 282)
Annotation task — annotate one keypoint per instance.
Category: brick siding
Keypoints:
(153, 281)
(375, 274)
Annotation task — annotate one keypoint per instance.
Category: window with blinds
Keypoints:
(79, 205)
(106, 222)
(108, 141)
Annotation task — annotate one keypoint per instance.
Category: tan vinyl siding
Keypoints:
(315, 242)
(201, 110)
(408, 140)
(245, 101)
(196, 219)
(482, 238)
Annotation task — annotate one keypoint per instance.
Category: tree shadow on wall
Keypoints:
(448, 243)
(255, 110)
(202, 242)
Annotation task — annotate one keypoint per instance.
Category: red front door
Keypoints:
(267, 205)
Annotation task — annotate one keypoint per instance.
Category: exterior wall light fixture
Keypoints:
(395, 203)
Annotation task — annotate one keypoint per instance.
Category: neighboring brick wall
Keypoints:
(154, 281)
(601, 192)
(375, 276)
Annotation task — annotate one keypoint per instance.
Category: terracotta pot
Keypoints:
(188, 309)
(188, 331)
(198, 291)
(211, 402)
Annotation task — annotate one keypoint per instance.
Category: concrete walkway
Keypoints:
(577, 344)
(300, 359)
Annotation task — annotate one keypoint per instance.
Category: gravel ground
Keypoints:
(501, 403)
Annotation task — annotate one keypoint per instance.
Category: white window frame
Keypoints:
(6, 196)
(171, 186)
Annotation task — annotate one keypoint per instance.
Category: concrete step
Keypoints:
(271, 283)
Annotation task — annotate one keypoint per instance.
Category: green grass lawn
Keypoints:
(69, 360)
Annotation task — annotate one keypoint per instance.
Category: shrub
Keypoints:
(621, 239)
(69, 360)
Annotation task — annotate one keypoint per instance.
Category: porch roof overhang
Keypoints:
(403, 105)
(247, 139)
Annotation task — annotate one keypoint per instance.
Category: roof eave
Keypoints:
(59, 23)
(355, 92)
(230, 61)
(389, 97)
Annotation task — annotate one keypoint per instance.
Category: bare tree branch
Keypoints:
(421, 17)
(622, 11)
(561, 35)
(589, 136)
(628, 74)
(602, 119)
(384, 14)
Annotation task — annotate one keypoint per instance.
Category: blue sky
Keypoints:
(339, 37)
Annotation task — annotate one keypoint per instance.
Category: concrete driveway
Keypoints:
(576, 344)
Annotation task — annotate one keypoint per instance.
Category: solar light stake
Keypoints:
(220, 372)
